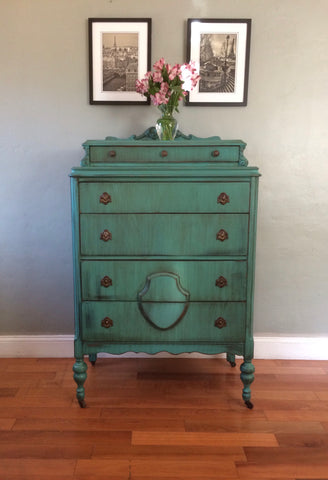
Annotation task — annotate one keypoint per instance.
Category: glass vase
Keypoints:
(166, 126)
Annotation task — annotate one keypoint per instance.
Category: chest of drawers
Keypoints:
(164, 249)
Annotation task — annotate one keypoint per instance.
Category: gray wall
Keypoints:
(45, 116)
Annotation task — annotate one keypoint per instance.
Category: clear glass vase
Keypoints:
(166, 126)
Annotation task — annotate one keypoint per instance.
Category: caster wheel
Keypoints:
(92, 358)
(249, 404)
(82, 403)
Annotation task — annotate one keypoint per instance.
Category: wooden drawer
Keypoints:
(124, 279)
(225, 197)
(164, 152)
(127, 324)
(164, 234)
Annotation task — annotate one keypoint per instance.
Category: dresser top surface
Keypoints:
(149, 138)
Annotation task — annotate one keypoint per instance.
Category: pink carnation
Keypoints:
(159, 64)
(164, 88)
(142, 86)
(175, 71)
(157, 77)
(159, 99)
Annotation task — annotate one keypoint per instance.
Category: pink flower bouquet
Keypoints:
(167, 85)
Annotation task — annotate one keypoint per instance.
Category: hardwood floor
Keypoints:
(166, 419)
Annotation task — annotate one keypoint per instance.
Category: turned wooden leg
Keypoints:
(80, 376)
(247, 376)
(93, 358)
(231, 358)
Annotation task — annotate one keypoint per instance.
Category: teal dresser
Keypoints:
(164, 249)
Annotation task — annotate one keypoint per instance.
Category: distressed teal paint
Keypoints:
(164, 215)
(163, 234)
(196, 326)
(174, 197)
(128, 278)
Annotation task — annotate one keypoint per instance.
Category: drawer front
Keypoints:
(171, 153)
(164, 234)
(203, 280)
(203, 322)
(226, 197)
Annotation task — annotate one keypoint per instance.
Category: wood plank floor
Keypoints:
(165, 419)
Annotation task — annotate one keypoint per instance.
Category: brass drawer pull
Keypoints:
(216, 153)
(112, 153)
(222, 235)
(106, 281)
(223, 198)
(105, 236)
(105, 198)
(164, 153)
(221, 282)
(107, 322)
(220, 323)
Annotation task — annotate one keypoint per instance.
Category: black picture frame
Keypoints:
(221, 50)
(119, 54)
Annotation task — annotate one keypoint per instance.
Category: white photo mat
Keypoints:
(97, 29)
(240, 29)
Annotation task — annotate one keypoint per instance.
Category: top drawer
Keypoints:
(171, 153)
(161, 197)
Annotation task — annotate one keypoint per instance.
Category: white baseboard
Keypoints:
(266, 347)
(291, 347)
(28, 346)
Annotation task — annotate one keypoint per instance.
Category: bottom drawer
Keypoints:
(166, 322)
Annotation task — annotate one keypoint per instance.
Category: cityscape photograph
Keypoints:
(217, 62)
(120, 61)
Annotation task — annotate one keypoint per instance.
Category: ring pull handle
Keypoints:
(223, 198)
(222, 235)
(105, 198)
(221, 282)
(164, 153)
(106, 281)
(112, 153)
(107, 322)
(220, 323)
(105, 236)
(215, 153)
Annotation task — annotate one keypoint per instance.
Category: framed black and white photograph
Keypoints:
(119, 54)
(220, 48)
